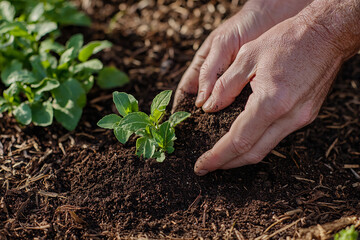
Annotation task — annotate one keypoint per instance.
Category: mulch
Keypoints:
(85, 184)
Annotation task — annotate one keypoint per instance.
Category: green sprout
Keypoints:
(155, 136)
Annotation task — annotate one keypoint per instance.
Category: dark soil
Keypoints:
(85, 184)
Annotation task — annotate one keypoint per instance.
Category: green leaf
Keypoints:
(67, 14)
(75, 42)
(157, 137)
(70, 98)
(48, 61)
(36, 13)
(92, 48)
(7, 42)
(70, 90)
(167, 134)
(37, 67)
(135, 121)
(160, 156)
(66, 58)
(122, 135)
(3, 105)
(15, 65)
(68, 116)
(347, 234)
(73, 46)
(156, 116)
(23, 113)
(47, 84)
(125, 103)
(4, 108)
(145, 147)
(91, 66)
(88, 83)
(7, 11)
(50, 45)
(42, 113)
(11, 93)
(109, 121)
(16, 29)
(111, 77)
(41, 29)
(170, 148)
(134, 106)
(22, 76)
(178, 117)
(161, 101)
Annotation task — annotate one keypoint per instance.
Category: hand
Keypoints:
(290, 69)
(221, 48)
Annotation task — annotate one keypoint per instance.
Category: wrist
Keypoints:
(336, 22)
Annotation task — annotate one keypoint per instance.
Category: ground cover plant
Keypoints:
(155, 137)
(43, 78)
(347, 234)
(84, 184)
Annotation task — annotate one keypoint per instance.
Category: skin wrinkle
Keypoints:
(340, 23)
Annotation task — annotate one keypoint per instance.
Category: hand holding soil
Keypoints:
(290, 68)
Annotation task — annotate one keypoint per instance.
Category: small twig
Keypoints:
(351, 165)
(85, 135)
(50, 194)
(61, 146)
(303, 179)
(204, 215)
(277, 222)
(101, 98)
(276, 153)
(265, 237)
(357, 176)
(196, 201)
(331, 148)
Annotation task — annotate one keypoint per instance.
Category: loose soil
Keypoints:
(85, 184)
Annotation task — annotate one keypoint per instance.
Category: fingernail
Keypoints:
(201, 172)
(208, 104)
(200, 99)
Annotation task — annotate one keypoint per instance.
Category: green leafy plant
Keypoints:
(43, 78)
(155, 136)
(62, 12)
(347, 234)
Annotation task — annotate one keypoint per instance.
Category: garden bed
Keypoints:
(86, 184)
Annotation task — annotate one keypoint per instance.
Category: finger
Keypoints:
(222, 53)
(231, 83)
(189, 81)
(249, 126)
(273, 135)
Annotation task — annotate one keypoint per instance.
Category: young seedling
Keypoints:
(155, 136)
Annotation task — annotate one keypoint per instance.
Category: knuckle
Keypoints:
(244, 51)
(278, 104)
(200, 57)
(204, 72)
(219, 38)
(240, 145)
(305, 117)
(219, 86)
(253, 158)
